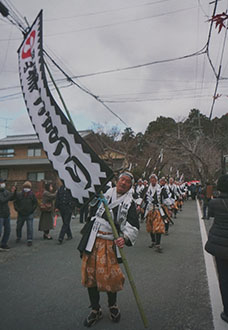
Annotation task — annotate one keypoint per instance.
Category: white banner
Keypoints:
(79, 167)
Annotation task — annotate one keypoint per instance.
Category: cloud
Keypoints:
(111, 35)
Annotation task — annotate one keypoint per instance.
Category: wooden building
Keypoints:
(22, 158)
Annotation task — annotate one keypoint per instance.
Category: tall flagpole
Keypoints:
(125, 263)
(115, 233)
(114, 230)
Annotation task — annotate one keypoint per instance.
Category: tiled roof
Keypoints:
(30, 138)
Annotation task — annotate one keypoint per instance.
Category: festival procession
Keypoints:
(109, 229)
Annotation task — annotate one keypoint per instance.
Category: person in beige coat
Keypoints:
(46, 216)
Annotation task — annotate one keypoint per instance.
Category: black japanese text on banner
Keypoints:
(82, 171)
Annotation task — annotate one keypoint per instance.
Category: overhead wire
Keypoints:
(85, 89)
(6, 53)
(219, 72)
(113, 24)
(24, 30)
(21, 21)
(199, 52)
(108, 11)
(120, 22)
(13, 18)
(156, 99)
(209, 38)
(204, 50)
(201, 7)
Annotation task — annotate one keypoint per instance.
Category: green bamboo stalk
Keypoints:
(125, 263)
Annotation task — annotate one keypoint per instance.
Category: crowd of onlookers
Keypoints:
(213, 199)
(54, 202)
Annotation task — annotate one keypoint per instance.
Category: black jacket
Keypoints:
(25, 203)
(217, 243)
(64, 199)
(5, 197)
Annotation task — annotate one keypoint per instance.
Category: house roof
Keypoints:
(30, 138)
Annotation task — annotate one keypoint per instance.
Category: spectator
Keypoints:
(65, 205)
(46, 216)
(5, 197)
(193, 191)
(217, 243)
(84, 211)
(25, 204)
(207, 193)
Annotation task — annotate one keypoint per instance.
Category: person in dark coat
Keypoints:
(64, 204)
(206, 195)
(46, 216)
(5, 197)
(25, 205)
(217, 243)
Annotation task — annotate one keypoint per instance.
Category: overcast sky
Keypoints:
(92, 36)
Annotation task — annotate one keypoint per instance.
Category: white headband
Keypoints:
(129, 175)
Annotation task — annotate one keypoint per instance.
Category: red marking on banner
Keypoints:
(28, 45)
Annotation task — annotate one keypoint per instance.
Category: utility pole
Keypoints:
(6, 124)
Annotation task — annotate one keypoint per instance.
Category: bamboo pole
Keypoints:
(125, 263)
(114, 230)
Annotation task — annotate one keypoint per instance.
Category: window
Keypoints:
(6, 152)
(35, 176)
(34, 152)
(4, 173)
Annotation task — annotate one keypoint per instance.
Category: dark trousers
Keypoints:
(66, 214)
(222, 268)
(84, 213)
(166, 227)
(20, 223)
(94, 297)
(5, 224)
(156, 238)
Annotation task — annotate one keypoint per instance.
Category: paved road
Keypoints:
(41, 290)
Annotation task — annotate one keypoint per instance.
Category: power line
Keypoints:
(85, 90)
(209, 38)
(24, 30)
(219, 73)
(200, 52)
(107, 11)
(120, 22)
(113, 24)
(158, 99)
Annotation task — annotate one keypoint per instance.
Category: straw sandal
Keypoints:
(93, 317)
(114, 313)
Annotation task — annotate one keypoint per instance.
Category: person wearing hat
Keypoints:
(139, 187)
(99, 251)
(217, 243)
(152, 212)
(25, 205)
(5, 197)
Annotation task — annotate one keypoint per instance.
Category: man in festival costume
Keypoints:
(180, 199)
(139, 187)
(100, 268)
(166, 204)
(152, 213)
(174, 195)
